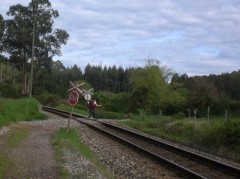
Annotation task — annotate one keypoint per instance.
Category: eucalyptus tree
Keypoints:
(30, 35)
(2, 25)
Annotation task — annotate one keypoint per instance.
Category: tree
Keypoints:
(166, 72)
(36, 18)
(151, 89)
(147, 85)
(2, 27)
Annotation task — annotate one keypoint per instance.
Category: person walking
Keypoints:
(92, 105)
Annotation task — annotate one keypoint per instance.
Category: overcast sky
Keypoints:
(192, 37)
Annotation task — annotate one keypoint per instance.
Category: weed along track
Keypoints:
(183, 162)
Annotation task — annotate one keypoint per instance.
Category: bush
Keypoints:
(119, 102)
(108, 115)
(48, 99)
(230, 134)
(8, 91)
(179, 115)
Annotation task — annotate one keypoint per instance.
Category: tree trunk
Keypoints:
(1, 73)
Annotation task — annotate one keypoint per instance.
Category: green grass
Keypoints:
(5, 163)
(16, 137)
(14, 110)
(65, 138)
(216, 135)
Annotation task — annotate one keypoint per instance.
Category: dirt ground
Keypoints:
(34, 156)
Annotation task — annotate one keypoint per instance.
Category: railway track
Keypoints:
(186, 163)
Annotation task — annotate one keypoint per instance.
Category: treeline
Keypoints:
(153, 88)
(219, 92)
(146, 87)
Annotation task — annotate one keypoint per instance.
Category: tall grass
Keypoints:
(13, 110)
(215, 135)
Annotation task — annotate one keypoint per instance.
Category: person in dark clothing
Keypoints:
(92, 104)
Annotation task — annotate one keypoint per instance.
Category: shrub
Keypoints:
(108, 115)
(230, 134)
(8, 91)
(48, 99)
(179, 115)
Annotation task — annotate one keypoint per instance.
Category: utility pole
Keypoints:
(32, 60)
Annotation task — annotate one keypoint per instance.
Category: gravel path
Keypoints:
(34, 156)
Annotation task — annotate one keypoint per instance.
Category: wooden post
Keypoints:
(226, 115)
(189, 113)
(195, 113)
(160, 113)
(208, 113)
(70, 117)
(1, 69)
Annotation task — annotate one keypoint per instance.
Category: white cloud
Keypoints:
(193, 37)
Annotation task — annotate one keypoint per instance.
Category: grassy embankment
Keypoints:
(70, 140)
(13, 111)
(215, 136)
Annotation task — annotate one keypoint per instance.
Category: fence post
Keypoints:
(195, 113)
(189, 113)
(208, 113)
(160, 113)
(226, 115)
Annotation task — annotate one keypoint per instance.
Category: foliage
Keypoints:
(19, 110)
(113, 79)
(151, 90)
(219, 92)
(147, 86)
(230, 134)
(8, 72)
(100, 114)
(179, 115)
(2, 28)
(34, 21)
(48, 99)
(8, 91)
(119, 102)
(216, 136)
